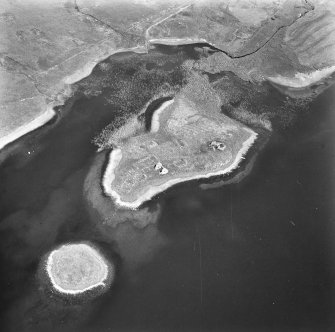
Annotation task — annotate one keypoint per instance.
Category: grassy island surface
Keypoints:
(190, 139)
(74, 269)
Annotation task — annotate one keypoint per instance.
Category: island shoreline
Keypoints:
(116, 156)
(108, 273)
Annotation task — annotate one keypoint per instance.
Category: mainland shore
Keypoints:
(303, 80)
(27, 128)
(49, 114)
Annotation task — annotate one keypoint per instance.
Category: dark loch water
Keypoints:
(258, 255)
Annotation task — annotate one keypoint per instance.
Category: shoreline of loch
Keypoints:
(178, 41)
(106, 269)
(115, 157)
(31, 126)
(50, 113)
(303, 80)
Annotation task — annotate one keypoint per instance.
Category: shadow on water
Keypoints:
(253, 255)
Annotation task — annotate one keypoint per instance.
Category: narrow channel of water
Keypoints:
(151, 110)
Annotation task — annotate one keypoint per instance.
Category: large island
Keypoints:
(189, 139)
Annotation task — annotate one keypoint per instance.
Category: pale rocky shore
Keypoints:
(76, 268)
(152, 190)
(46, 47)
(302, 80)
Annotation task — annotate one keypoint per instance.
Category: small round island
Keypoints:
(78, 269)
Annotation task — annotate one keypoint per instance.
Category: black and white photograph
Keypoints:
(167, 165)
